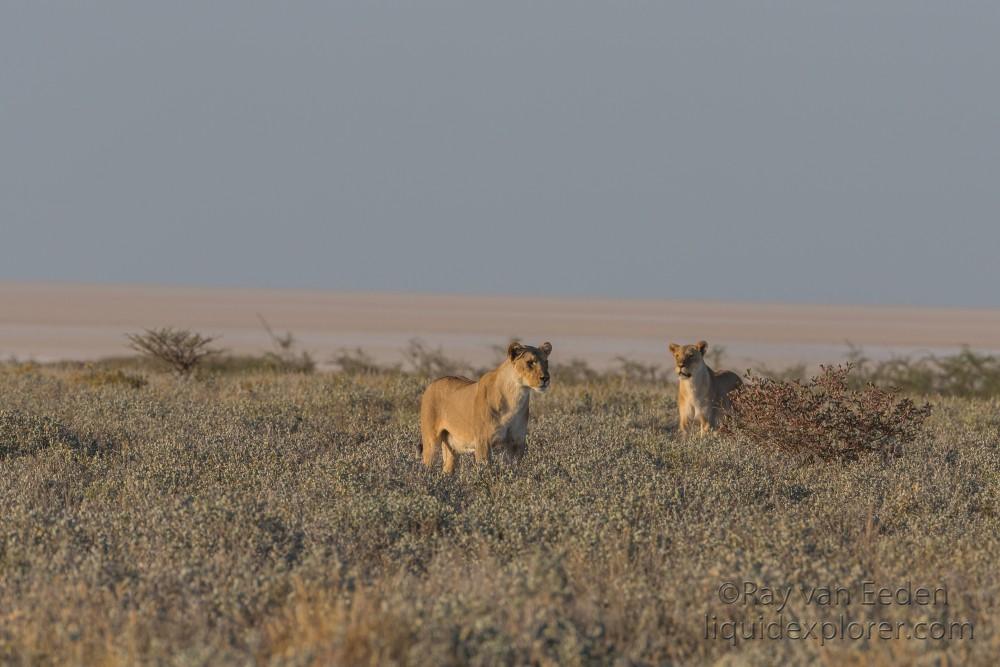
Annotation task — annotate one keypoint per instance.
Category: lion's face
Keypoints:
(688, 358)
(531, 364)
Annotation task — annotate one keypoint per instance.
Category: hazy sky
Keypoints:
(777, 151)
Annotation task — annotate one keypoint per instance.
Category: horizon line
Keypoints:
(542, 296)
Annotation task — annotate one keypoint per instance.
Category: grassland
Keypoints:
(281, 518)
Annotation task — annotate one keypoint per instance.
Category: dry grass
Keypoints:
(285, 519)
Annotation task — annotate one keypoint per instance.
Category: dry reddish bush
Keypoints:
(823, 417)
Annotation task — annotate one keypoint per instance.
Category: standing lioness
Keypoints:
(464, 416)
(701, 392)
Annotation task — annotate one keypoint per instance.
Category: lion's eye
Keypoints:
(531, 364)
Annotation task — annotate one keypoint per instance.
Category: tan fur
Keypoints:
(463, 416)
(702, 394)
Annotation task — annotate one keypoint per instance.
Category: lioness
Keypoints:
(465, 416)
(702, 392)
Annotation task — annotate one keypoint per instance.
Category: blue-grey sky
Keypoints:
(775, 151)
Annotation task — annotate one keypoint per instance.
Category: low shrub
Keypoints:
(574, 371)
(637, 371)
(22, 433)
(358, 362)
(824, 417)
(285, 357)
(967, 374)
(431, 362)
(95, 376)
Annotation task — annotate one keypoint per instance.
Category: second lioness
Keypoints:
(462, 416)
(702, 393)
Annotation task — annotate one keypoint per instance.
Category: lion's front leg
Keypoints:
(483, 451)
(705, 424)
(515, 449)
(520, 449)
(516, 440)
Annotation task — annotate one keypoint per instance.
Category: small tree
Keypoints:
(180, 349)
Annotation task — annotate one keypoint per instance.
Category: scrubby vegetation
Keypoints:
(259, 517)
(966, 373)
(358, 362)
(431, 362)
(285, 355)
(824, 417)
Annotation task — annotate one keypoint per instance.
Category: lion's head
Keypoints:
(688, 358)
(531, 364)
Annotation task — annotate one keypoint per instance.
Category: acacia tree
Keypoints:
(180, 349)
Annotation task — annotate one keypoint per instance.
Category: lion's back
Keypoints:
(441, 393)
(727, 381)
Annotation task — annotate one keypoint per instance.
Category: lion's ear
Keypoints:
(546, 347)
(514, 350)
(674, 347)
(702, 346)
